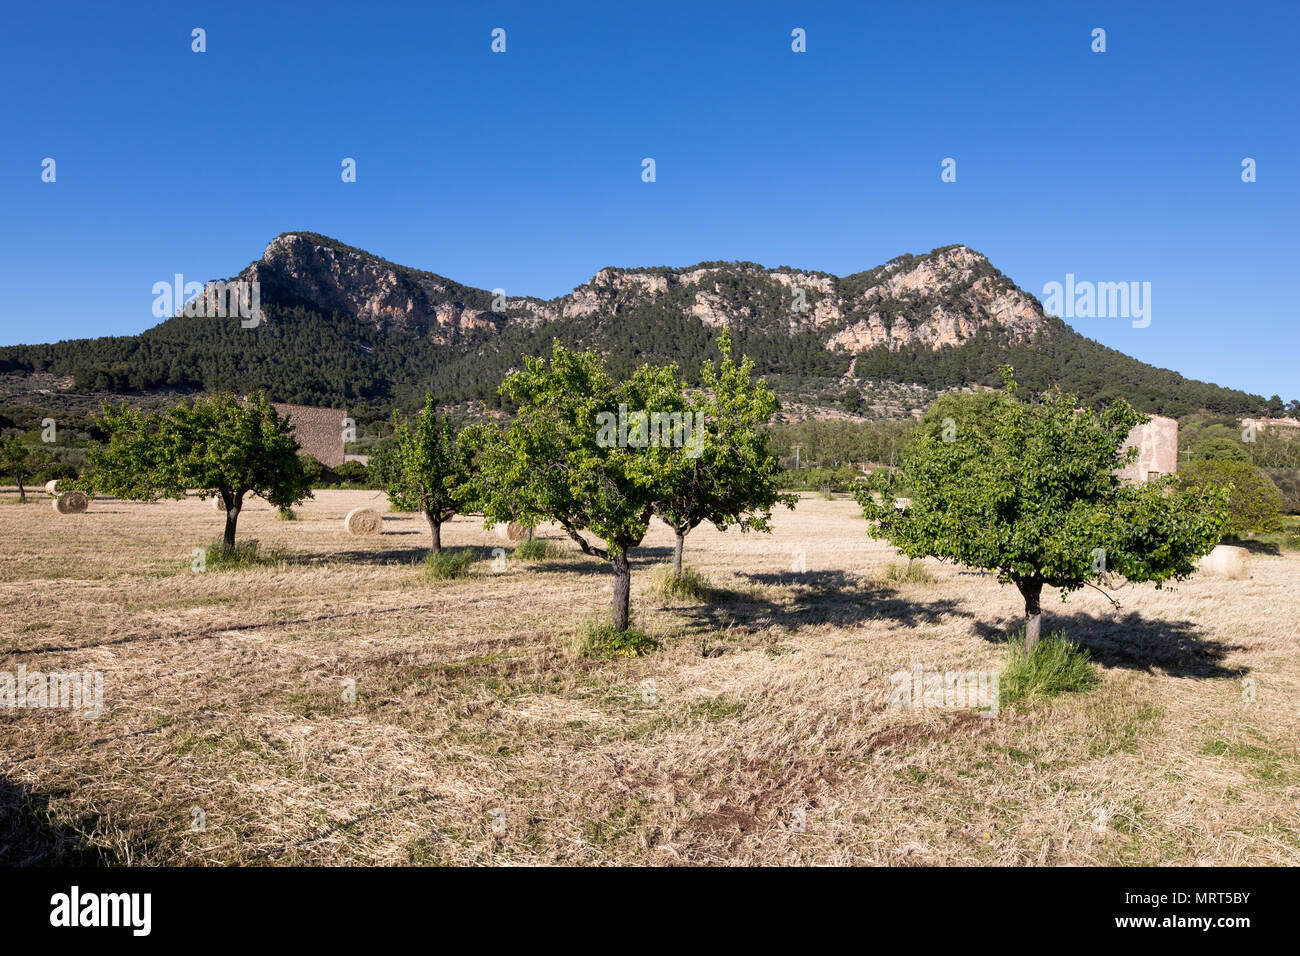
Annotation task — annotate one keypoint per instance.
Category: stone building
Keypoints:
(318, 431)
(1157, 445)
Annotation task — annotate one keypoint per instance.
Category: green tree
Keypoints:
(20, 462)
(723, 472)
(1254, 503)
(565, 458)
(428, 470)
(219, 446)
(1030, 491)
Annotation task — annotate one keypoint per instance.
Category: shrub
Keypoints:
(59, 470)
(449, 563)
(1054, 666)
(352, 472)
(286, 514)
(599, 638)
(244, 554)
(1254, 504)
(913, 572)
(690, 585)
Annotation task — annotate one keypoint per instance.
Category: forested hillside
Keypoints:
(343, 327)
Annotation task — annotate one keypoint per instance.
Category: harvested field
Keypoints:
(760, 732)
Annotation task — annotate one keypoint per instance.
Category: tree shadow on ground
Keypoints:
(29, 837)
(1178, 648)
(1255, 547)
(837, 598)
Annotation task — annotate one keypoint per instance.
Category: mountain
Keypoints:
(345, 327)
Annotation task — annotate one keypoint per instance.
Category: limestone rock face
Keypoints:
(941, 298)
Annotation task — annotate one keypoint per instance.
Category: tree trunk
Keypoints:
(1032, 589)
(233, 505)
(622, 588)
(22, 492)
(677, 552)
(435, 529)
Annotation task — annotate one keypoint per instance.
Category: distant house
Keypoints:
(318, 431)
(1264, 424)
(1157, 445)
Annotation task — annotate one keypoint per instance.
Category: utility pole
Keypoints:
(796, 456)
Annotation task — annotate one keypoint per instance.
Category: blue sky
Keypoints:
(523, 170)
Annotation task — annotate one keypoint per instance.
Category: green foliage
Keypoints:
(834, 443)
(555, 460)
(58, 471)
(286, 514)
(1254, 503)
(350, 474)
(21, 462)
(600, 638)
(1030, 491)
(1055, 665)
(429, 470)
(725, 475)
(820, 479)
(451, 563)
(1287, 482)
(218, 446)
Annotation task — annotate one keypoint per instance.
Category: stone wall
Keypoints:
(1157, 445)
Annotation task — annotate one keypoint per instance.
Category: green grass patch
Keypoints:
(244, 554)
(1056, 665)
(538, 549)
(909, 572)
(286, 514)
(690, 585)
(599, 638)
(449, 563)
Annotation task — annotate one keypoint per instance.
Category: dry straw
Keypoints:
(71, 503)
(509, 531)
(363, 521)
(52, 486)
(1224, 561)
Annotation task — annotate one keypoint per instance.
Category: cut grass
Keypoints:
(449, 563)
(1056, 665)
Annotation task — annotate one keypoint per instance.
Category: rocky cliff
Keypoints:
(941, 298)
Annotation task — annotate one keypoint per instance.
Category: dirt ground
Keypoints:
(761, 732)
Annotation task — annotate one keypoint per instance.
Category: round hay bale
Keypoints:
(509, 530)
(1225, 561)
(217, 503)
(71, 503)
(363, 521)
(52, 486)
